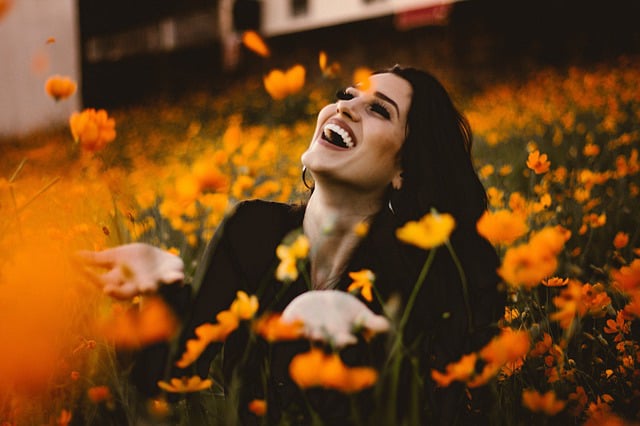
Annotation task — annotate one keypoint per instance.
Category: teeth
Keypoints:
(346, 139)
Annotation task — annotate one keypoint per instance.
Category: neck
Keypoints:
(330, 218)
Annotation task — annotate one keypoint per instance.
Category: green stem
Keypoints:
(416, 289)
(465, 287)
(37, 194)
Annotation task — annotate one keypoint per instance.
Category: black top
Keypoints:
(242, 256)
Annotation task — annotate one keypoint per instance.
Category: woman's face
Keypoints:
(357, 139)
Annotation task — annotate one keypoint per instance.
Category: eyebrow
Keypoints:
(387, 99)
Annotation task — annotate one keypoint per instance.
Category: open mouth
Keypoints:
(337, 136)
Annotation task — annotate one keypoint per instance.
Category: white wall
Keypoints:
(27, 60)
(277, 19)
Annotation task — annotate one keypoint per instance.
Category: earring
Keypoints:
(304, 178)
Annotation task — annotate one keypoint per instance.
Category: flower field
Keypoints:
(558, 154)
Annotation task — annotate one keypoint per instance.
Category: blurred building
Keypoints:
(118, 47)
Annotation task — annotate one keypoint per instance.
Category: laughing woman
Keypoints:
(382, 154)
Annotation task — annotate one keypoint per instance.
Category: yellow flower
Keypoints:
(92, 129)
(289, 255)
(431, 231)
(362, 280)
(546, 403)
(280, 84)
(537, 162)
(254, 42)
(244, 307)
(361, 229)
(327, 70)
(185, 384)
(486, 171)
(59, 87)
(502, 226)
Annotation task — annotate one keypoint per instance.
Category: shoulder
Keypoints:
(257, 226)
(257, 214)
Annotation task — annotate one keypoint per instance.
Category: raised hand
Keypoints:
(133, 269)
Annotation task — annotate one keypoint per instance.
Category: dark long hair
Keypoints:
(436, 156)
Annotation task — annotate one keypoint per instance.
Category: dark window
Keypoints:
(299, 7)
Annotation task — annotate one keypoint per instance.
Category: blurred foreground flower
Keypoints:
(185, 384)
(64, 418)
(361, 78)
(254, 42)
(59, 87)
(431, 231)
(333, 316)
(546, 403)
(502, 226)
(258, 407)
(99, 394)
(273, 329)
(242, 308)
(289, 256)
(317, 369)
(92, 129)
(280, 84)
(5, 5)
(153, 322)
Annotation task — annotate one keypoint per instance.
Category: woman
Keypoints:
(384, 153)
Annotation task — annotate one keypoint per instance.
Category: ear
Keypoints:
(396, 182)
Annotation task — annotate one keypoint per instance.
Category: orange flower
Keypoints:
(361, 78)
(627, 278)
(280, 84)
(273, 329)
(327, 70)
(462, 371)
(258, 407)
(92, 129)
(546, 403)
(59, 87)
(363, 281)
(538, 162)
(99, 394)
(317, 369)
(152, 322)
(207, 333)
(432, 230)
(555, 282)
(64, 418)
(185, 384)
(621, 240)
(508, 347)
(502, 226)
(542, 346)
(620, 326)
(591, 150)
(528, 264)
(254, 42)
(579, 397)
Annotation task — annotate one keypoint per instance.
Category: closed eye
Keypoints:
(343, 95)
(381, 110)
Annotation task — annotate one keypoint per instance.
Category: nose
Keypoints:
(348, 108)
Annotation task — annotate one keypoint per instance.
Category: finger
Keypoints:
(96, 258)
(113, 278)
(172, 277)
(121, 292)
(92, 276)
(376, 323)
